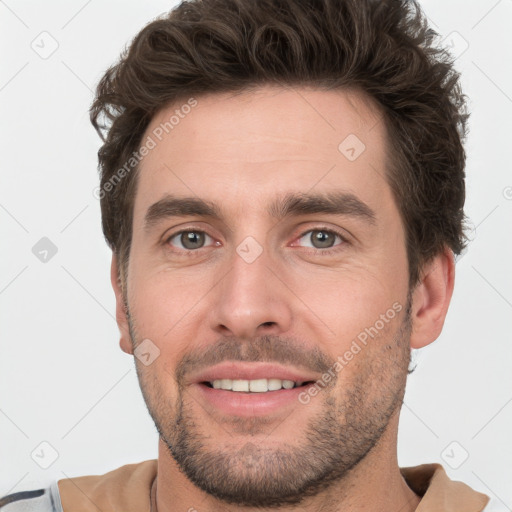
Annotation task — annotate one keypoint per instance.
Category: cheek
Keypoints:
(157, 299)
(166, 308)
(343, 303)
(377, 357)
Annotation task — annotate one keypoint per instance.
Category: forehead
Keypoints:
(241, 148)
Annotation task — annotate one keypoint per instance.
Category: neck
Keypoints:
(375, 485)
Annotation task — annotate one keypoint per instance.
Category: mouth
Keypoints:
(250, 389)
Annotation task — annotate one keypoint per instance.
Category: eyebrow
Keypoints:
(171, 206)
(291, 204)
(335, 203)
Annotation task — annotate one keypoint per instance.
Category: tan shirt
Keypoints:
(128, 489)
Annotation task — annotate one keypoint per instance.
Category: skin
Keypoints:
(241, 152)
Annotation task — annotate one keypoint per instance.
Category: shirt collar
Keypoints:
(128, 488)
(439, 493)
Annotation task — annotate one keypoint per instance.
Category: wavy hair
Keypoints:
(382, 48)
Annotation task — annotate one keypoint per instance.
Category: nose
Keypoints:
(251, 300)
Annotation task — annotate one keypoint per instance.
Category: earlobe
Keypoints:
(121, 312)
(431, 298)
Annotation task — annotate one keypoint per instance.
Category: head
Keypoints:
(282, 187)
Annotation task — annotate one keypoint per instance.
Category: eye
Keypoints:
(321, 239)
(189, 240)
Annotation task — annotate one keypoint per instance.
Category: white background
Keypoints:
(63, 378)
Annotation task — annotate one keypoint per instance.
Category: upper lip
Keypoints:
(251, 371)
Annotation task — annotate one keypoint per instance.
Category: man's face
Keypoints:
(269, 285)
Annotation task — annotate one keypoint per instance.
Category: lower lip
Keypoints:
(238, 403)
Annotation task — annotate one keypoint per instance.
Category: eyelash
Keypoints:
(327, 251)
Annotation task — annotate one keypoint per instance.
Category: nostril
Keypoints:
(267, 324)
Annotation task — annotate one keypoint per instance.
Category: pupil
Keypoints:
(192, 240)
(322, 239)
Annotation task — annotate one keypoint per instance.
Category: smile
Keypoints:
(253, 386)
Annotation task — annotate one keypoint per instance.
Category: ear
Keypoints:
(431, 298)
(121, 313)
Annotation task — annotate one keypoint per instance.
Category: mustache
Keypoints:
(268, 349)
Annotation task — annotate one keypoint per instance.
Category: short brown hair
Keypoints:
(382, 48)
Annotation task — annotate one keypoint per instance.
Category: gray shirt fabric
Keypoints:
(41, 500)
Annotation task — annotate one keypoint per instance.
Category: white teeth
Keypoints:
(288, 384)
(240, 385)
(258, 386)
(274, 384)
(226, 384)
(254, 386)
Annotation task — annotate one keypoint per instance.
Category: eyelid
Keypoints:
(183, 228)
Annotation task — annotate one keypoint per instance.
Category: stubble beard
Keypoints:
(330, 446)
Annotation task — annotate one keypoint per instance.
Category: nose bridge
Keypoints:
(250, 298)
(250, 273)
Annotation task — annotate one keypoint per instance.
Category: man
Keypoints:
(282, 186)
